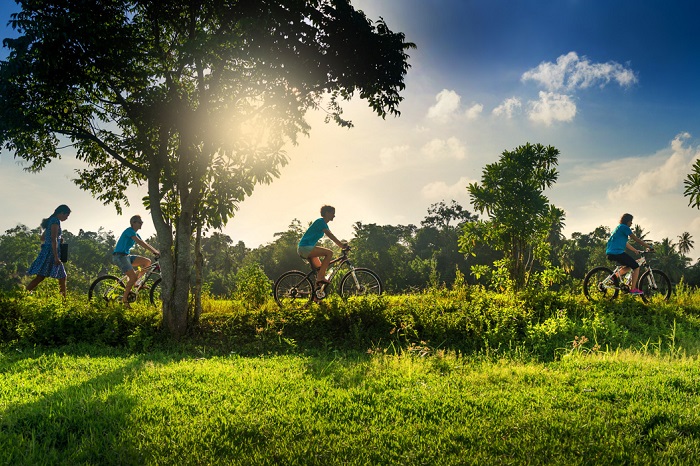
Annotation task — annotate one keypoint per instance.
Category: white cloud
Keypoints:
(571, 72)
(390, 156)
(508, 107)
(441, 190)
(552, 107)
(441, 148)
(664, 177)
(474, 111)
(447, 104)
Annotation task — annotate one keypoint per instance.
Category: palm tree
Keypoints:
(639, 232)
(685, 243)
(669, 260)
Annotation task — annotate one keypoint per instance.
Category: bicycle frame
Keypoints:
(643, 265)
(153, 269)
(334, 266)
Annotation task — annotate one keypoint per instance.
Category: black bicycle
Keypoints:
(296, 289)
(602, 283)
(110, 288)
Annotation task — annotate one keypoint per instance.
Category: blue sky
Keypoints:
(611, 84)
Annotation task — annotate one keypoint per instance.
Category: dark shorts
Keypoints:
(624, 259)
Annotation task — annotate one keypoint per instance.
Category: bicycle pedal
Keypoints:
(320, 294)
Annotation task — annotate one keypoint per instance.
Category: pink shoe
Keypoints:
(636, 291)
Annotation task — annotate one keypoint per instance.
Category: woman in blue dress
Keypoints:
(48, 262)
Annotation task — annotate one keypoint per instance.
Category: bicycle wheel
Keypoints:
(293, 290)
(655, 285)
(107, 289)
(597, 287)
(360, 282)
(155, 292)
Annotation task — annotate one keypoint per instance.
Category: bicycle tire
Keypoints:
(368, 283)
(593, 287)
(663, 286)
(154, 294)
(293, 290)
(107, 288)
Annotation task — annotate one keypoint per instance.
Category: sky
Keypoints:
(612, 84)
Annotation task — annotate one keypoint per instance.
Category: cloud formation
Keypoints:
(665, 177)
(447, 104)
(445, 148)
(474, 111)
(441, 190)
(570, 73)
(552, 107)
(508, 108)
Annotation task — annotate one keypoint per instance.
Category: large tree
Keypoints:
(194, 98)
(520, 216)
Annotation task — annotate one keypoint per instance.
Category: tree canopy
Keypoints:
(194, 98)
(520, 217)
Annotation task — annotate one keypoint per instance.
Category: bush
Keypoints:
(49, 321)
(464, 320)
(253, 287)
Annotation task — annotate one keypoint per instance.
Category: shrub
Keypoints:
(253, 287)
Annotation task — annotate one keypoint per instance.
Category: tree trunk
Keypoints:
(175, 308)
(198, 280)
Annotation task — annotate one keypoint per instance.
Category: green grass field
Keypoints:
(461, 377)
(83, 405)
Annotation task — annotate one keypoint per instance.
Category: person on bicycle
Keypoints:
(618, 243)
(308, 249)
(122, 257)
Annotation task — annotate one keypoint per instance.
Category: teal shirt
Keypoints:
(314, 233)
(126, 241)
(617, 243)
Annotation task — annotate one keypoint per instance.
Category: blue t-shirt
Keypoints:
(314, 233)
(618, 240)
(126, 241)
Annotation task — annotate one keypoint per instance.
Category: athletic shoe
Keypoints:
(636, 291)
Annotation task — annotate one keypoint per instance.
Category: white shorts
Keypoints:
(304, 251)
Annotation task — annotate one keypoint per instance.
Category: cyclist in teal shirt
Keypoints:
(617, 244)
(308, 249)
(122, 257)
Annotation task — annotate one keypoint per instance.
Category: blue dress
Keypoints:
(44, 264)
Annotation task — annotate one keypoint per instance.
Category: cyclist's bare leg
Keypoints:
(133, 276)
(131, 279)
(635, 276)
(327, 255)
(142, 263)
(623, 270)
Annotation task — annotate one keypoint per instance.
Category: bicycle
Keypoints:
(110, 288)
(296, 289)
(601, 283)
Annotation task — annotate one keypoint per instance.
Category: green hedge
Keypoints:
(466, 320)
